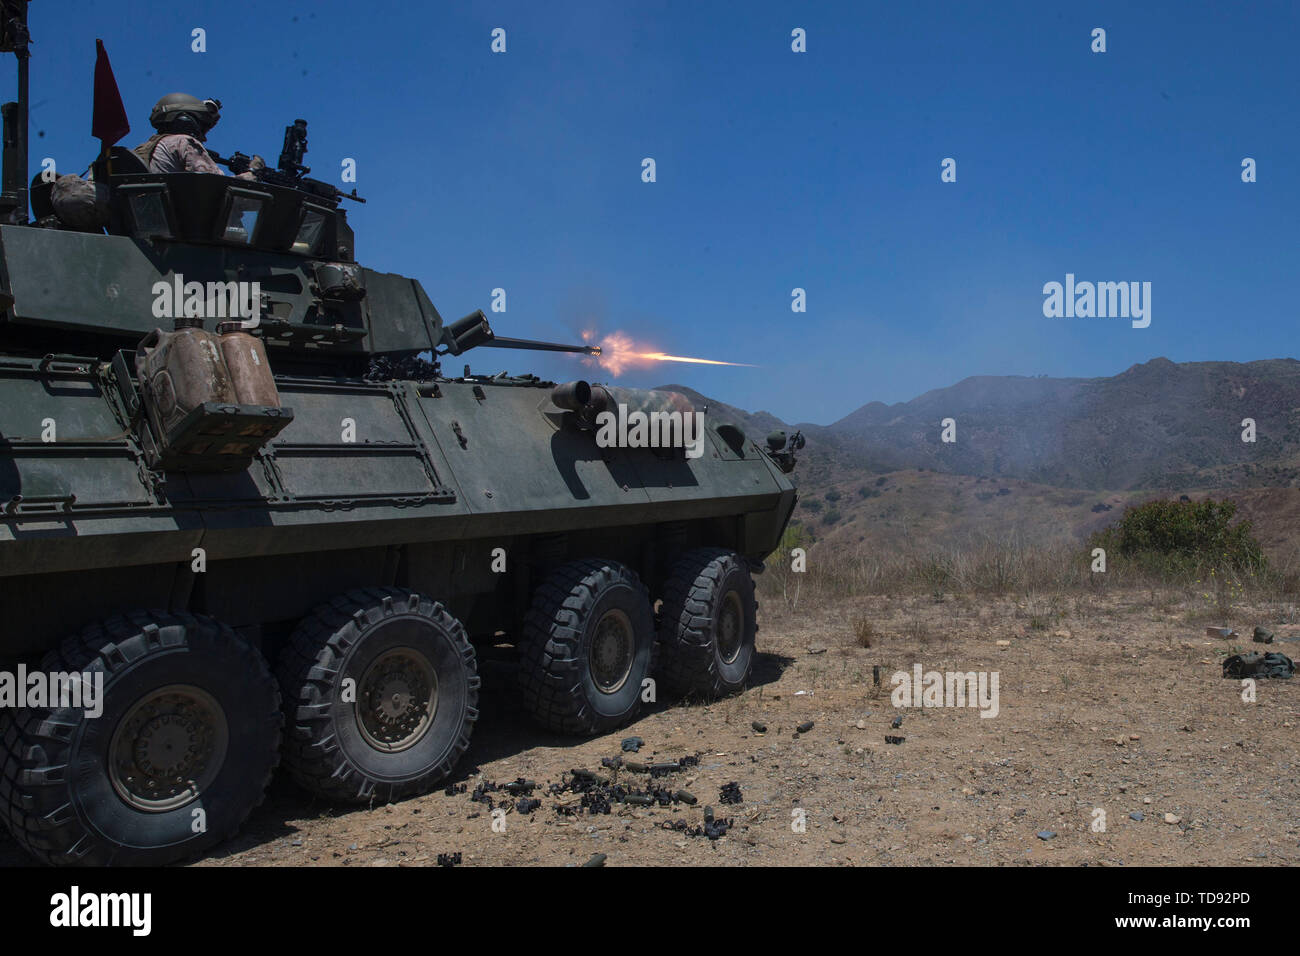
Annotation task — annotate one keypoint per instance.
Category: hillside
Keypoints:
(1156, 425)
(1050, 456)
(756, 425)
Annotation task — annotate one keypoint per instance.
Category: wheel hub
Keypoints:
(397, 699)
(167, 748)
(731, 627)
(612, 648)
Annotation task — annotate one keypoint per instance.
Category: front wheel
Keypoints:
(708, 624)
(167, 760)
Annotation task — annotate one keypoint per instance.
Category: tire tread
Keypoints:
(308, 666)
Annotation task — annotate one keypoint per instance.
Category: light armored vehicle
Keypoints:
(247, 519)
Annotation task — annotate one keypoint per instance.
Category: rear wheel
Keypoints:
(381, 690)
(586, 648)
(708, 624)
(181, 753)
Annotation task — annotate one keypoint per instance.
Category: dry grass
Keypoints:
(1040, 574)
(863, 631)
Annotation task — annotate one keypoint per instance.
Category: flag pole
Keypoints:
(23, 55)
(14, 39)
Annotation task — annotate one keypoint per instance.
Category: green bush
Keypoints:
(794, 536)
(1182, 534)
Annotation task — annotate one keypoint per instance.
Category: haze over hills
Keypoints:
(1158, 425)
(1050, 456)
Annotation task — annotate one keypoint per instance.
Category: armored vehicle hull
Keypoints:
(398, 483)
(247, 522)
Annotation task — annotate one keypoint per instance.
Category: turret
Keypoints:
(147, 248)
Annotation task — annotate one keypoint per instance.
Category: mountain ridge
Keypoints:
(1157, 425)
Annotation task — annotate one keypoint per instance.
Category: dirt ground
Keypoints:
(1111, 703)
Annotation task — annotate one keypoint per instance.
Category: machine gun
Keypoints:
(289, 172)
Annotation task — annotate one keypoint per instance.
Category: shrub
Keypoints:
(1182, 534)
(794, 536)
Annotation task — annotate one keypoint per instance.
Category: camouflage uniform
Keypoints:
(178, 153)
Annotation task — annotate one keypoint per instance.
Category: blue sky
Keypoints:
(775, 170)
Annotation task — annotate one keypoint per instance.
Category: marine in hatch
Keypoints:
(183, 123)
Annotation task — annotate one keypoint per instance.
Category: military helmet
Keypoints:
(182, 113)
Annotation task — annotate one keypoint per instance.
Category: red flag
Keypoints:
(109, 123)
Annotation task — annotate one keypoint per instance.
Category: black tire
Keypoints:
(347, 746)
(577, 610)
(67, 780)
(707, 624)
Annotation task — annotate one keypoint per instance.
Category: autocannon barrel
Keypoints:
(506, 343)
